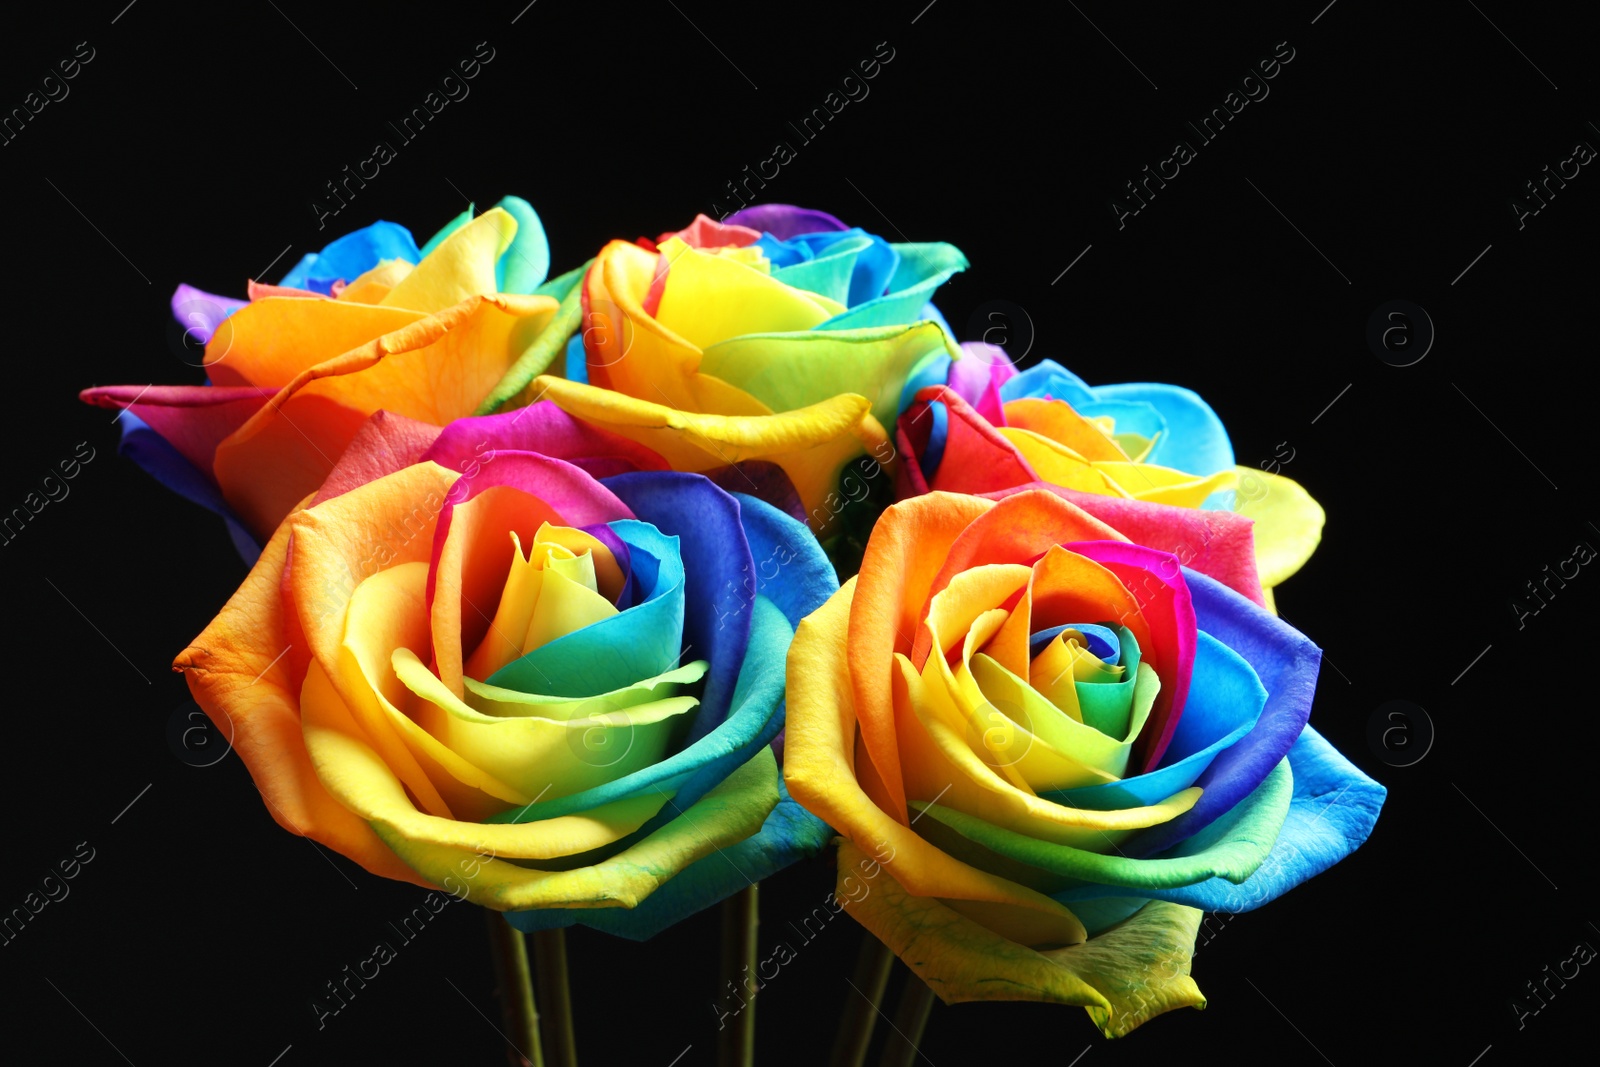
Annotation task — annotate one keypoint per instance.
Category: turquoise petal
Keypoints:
(641, 642)
(1332, 812)
(754, 718)
(923, 268)
(1225, 700)
(522, 267)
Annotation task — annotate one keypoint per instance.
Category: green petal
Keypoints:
(538, 356)
(1126, 976)
(523, 266)
(786, 371)
(1232, 847)
(726, 815)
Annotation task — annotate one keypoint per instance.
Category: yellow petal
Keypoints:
(1288, 522)
(1124, 977)
(818, 767)
(461, 267)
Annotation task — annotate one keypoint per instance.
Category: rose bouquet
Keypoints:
(546, 608)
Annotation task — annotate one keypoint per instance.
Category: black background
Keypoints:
(190, 149)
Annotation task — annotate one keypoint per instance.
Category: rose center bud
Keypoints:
(575, 681)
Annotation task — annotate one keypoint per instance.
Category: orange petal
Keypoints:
(239, 672)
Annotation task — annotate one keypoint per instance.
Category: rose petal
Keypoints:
(1288, 523)
(546, 429)
(1286, 662)
(786, 371)
(1334, 809)
(385, 444)
(784, 221)
(238, 673)
(790, 833)
(812, 445)
(194, 419)
(821, 771)
(1124, 977)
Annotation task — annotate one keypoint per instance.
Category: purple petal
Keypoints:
(784, 221)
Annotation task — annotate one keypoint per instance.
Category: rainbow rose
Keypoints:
(518, 660)
(1069, 744)
(779, 337)
(975, 425)
(371, 322)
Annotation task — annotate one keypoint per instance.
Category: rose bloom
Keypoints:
(372, 322)
(518, 660)
(779, 335)
(1067, 744)
(975, 425)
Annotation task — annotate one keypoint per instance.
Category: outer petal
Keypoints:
(812, 445)
(1124, 977)
(1286, 662)
(730, 813)
(544, 428)
(790, 833)
(435, 369)
(193, 419)
(1288, 523)
(821, 768)
(238, 673)
(784, 221)
(157, 458)
(1218, 544)
(1333, 811)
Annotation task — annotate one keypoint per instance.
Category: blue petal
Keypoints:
(1225, 700)
(938, 432)
(577, 360)
(350, 256)
(522, 267)
(932, 371)
(1286, 662)
(167, 465)
(1195, 441)
(923, 268)
(1048, 379)
(801, 576)
(716, 562)
(1333, 811)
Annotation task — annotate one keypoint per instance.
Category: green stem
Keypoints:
(550, 960)
(861, 1011)
(910, 1018)
(736, 1044)
(514, 984)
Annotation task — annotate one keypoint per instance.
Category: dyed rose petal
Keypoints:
(784, 221)
(194, 419)
(384, 444)
(1287, 662)
(1156, 581)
